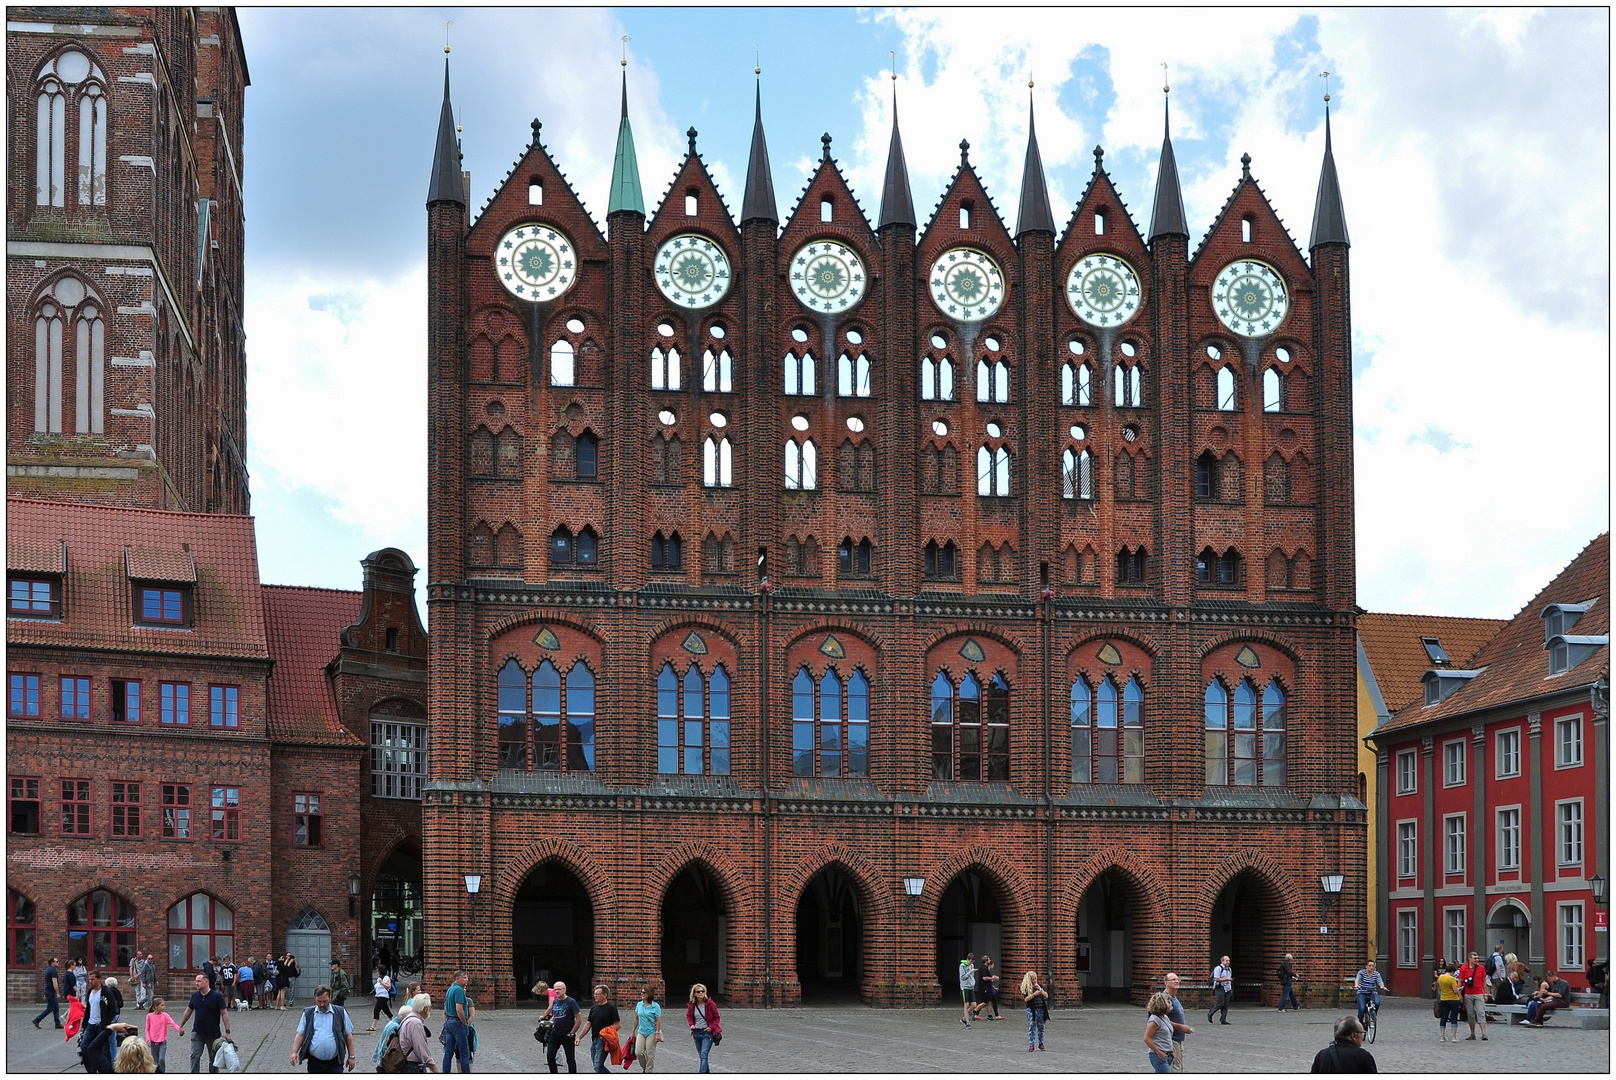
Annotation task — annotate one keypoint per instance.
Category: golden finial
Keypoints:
(1166, 89)
(758, 68)
(1325, 75)
(624, 61)
(446, 27)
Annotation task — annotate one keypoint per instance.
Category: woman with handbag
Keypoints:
(702, 1016)
(1037, 999)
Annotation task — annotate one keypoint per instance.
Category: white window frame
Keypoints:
(1408, 849)
(1500, 759)
(408, 781)
(1568, 835)
(1570, 929)
(1456, 931)
(1412, 773)
(1508, 855)
(1451, 857)
(1562, 724)
(1450, 759)
(1408, 937)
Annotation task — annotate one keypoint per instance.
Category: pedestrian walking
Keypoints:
(1171, 984)
(109, 988)
(457, 1024)
(1037, 999)
(245, 977)
(967, 981)
(1448, 1002)
(648, 1028)
(52, 985)
(158, 1025)
(324, 1036)
(412, 1035)
(1159, 1033)
(382, 991)
(227, 981)
(81, 978)
(134, 980)
(702, 1016)
(1222, 989)
(266, 982)
(1599, 980)
(563, 1018)
(1287, 976)
(601, 1028)
(210, 968)
(148, 978)
(286, 992)
(987, 989)
(1346, 1054)
(1472, 979)
(207, 1005)
(341, 987)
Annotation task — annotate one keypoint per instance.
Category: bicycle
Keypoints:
(1370, 1023)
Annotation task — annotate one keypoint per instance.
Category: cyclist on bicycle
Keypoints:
(1369, 984)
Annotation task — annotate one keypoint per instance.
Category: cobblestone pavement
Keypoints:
(1100, 1038)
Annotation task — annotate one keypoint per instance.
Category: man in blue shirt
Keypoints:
(208, 1006)
(564, 1014)
(457, 1024)
(53, 982)
(324, 1035)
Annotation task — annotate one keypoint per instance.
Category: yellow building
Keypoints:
(1394, 652)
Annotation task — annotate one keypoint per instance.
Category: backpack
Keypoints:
(393, 1056)
(1492, 966)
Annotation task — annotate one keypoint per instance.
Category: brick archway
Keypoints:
(1146, 927)
(582, 897)
(698, 892)
(1252, 910)
(1010, 891)
(825, 880)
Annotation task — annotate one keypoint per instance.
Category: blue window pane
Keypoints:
(693, 693)
(512, 688)
(942, 700)
(19, 596)
(1107, 712)
(718, 694)
(802, 749)
(586, 740)
(41, 595)
(171, 606)
(1245, 706)
(858, 749)
(830, 698)
(667, 759)
(693, 734)
(720, 749)
(547, 690)
(1133, 703)
(1217, 706)
(1081, 701)
(858, 698)
(692, 761)
(667, 692)
(151, 603)
(802, 696)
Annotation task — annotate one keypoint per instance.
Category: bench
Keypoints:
(1573, 1016)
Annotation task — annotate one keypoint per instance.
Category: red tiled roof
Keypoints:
(1514, 663)
(25, 558)
(158, 564)
(97, 597)
(305, 631)
(1398, 657)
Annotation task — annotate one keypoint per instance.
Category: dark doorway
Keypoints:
(1247, 923)
(1105, 935)
(968, 921)
(693, 931)
(830, 937)
(1512, 926)
(553, 932)
(396, 919)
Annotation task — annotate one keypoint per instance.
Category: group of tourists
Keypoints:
(979, 992)
(107, 1043)
(564, 1025)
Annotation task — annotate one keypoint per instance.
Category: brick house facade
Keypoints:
(674, 688)
(1494, 793)
(125, 356)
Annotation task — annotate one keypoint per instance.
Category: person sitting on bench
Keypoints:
(1555, 993)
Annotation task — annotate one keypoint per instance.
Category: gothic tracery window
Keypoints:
(970, 728)
(830, 724)
(554, 729)
(71, 81)
(693, 720)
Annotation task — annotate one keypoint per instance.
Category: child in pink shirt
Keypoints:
(158, 1025)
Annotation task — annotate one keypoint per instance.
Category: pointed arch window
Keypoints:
(101, 927)
(717, 462)
(1226, 396)
(92, 146)
(830, 724)
(693, 721)
(513, 714)
(50, 183)
(970, 727)
(586, 456)
(20, 923)
(199, 927)
(1077, 474)
(1245, 746)
(937, 379)
(992, 381)
(853, 375)
(941, 561)
(561, 363)
(665, 368)
(1082, 700)
(48, 327)
(1273, 730)
(993, 471)
(717, 372)
(554, 729)
(799, 374)
(1273, 391)
(854, 558)
(1076, 384)
(665, 552)
(802, 465)
(1128, 392)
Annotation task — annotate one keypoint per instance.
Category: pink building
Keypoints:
(1494, 793)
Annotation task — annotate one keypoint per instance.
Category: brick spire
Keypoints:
(897, 204)
(1329, 217)
(446, 184)
(1034, 214)
(758, 202)
(626, 193)
(1167, 216)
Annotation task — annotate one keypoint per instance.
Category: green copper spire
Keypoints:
(626, 167)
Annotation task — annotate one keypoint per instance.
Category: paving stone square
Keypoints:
(1099, 1038)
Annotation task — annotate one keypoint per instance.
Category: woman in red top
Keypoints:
(702, 1016)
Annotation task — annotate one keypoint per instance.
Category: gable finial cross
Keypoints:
(1325, 75)
(1166, 88)
(624, 61)
(446, 27)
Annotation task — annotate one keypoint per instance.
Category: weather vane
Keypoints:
(1165, 87)
(893, 53)
(757, 68)
(625, 50)
(1325, 75)
(446, 27)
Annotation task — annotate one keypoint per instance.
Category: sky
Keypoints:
(1473, 149)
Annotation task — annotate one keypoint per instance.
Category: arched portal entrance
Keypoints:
(1107, 921)
(552, 931)
(694, 926)
(830, 938)
(396, 919)
(1512, 924)
(1248, 923)
(968, 921)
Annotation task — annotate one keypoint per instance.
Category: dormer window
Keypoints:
(34, 597)
(162, 583)
(1558, 619)
(1434, 650)
(1440, 684)
(1566, 651)
(162, 605)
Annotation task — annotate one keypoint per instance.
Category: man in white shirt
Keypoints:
(1223, 987)
(324, 1035)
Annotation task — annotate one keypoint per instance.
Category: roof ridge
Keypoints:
(103, 507)
(312, 588)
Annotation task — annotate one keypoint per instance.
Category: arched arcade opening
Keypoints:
(552, 932)
(830, 939)
(1109, 917)
(694, 928)
(968, 921)
(1249, 925)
